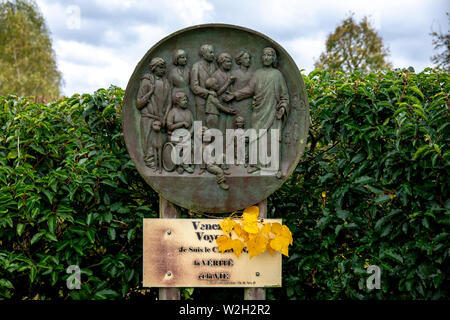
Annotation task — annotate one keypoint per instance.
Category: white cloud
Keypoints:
(189, 12)
(116, 4)
(306, 50)
(112, 36)
(86, 67)
(115, 34)
(54, 14)
(147, 36)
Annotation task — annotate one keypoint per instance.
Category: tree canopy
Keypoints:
(354, 46)
(27, 60)
(441, 41)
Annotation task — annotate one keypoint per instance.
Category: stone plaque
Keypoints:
(183, 253)
(216, 117)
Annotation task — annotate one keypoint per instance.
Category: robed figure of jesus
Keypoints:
(270, 102)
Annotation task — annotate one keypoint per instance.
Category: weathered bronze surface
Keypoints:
(228, 77)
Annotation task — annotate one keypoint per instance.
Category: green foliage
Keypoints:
(354, 46)
(69, 195)
(27, 61)
(370, 189)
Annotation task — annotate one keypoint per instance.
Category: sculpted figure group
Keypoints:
(226, 96)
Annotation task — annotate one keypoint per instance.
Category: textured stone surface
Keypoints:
(190, 187)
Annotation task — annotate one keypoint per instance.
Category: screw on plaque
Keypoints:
(169, 232)
(169, 273)
(257, 274)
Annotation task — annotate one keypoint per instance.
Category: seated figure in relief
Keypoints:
(180, 117)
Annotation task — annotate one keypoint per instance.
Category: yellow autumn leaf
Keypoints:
(285, 232)
(256, 244)
(285, 251)
(250, 219)
(240, 232)
(266, 229)
(269, 248)
(250, 213)
(237, 245)
(277, 243)
(280, 243)
(251, 227)
(224, 243)
(276, 228)
(227, 225)
(257, 236)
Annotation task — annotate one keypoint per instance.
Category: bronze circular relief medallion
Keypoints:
(215, 117)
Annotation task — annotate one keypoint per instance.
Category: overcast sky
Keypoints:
(103, 46)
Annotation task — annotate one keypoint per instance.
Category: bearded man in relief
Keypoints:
(270, 102)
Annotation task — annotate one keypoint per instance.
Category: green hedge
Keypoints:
(371, 189)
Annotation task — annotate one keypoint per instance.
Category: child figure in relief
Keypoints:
(240, 124)
(219, 170)
(214, 107)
